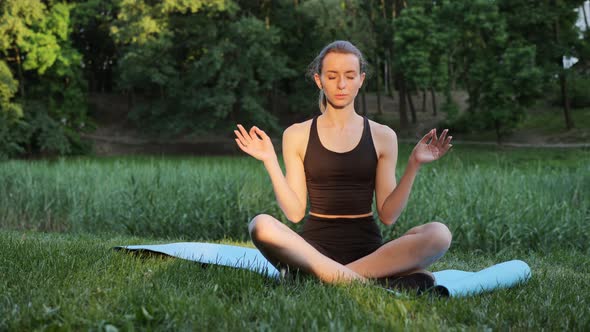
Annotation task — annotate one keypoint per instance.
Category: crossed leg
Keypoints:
(415, 250)
(283, 246)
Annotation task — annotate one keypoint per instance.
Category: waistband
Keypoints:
(311, 217)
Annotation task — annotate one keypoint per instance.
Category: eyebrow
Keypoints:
(346, 72)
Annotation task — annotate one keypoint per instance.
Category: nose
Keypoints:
(341, 84)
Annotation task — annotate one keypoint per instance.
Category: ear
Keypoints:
(318, 80)
(362, 79)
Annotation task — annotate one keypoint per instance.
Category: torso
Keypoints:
(341, 142)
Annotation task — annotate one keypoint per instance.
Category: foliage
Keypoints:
(51, 106)
(193, 81)
(550, 27)
(577, 90)
(196, 67)
(8, 88)
(419, 49)
(500, 75)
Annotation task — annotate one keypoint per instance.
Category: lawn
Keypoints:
(59, 220)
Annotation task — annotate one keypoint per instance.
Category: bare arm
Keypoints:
(392, 198)
(290, 190)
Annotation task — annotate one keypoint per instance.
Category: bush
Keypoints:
(11, 136)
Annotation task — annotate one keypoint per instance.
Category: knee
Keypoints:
(261, 228)
(440, 236)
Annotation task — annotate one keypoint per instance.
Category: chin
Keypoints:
(341, 104)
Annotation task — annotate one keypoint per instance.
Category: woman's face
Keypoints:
(340, 78)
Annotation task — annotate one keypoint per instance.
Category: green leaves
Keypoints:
(8, 88)
(51, 106)
(416, 44)
(500, 74)
(198, 72)
(190, 67)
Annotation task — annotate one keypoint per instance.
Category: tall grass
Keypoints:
(490, 199)
(500, 204)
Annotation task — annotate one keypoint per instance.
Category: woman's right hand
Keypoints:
(255, 143)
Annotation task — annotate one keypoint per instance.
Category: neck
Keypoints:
(340, 117)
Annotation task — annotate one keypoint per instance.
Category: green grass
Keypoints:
(77, 282)
(60, 219)
(552, 120)
(545, 124)
(490, 198)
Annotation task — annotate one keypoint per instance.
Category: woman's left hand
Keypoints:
(426, 151)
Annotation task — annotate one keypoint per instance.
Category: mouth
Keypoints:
(340, 96)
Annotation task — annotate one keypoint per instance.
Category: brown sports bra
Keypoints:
(340, 183)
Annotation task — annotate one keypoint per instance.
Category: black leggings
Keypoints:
(342, 239)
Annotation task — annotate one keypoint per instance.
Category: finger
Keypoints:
(446, 145)
(242, 147)
(245, 134)
(441, 139)
(448, 140)
(258, 133)
(240, 137)
(424, 139)
(253, 133)
(261, 133)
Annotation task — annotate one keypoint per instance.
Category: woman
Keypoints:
(340, 159)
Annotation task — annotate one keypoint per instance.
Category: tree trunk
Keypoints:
(412, 108)
(451, 72)
(266, 6)
(386, 76)
(130, 100)
(585, 15)
(399, 76)
(433, 94)
(379, 107)
(364, 96)
(403, 115)
(562, 80)
(424, 101)
(498, 132)
(569, 124)
(21, 77)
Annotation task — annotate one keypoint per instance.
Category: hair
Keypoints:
(338, 46)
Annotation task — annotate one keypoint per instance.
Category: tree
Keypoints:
(34, 42)
(91, 22)
(499, 74)
(420, 53)
(197, 66)
(550, 26)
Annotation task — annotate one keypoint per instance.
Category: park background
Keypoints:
(116, 123)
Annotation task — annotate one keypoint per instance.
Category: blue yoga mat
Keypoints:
(454, 283)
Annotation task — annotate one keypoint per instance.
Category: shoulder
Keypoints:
(382, 132)
(297, 129)
(384, 138)
(296, 135)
